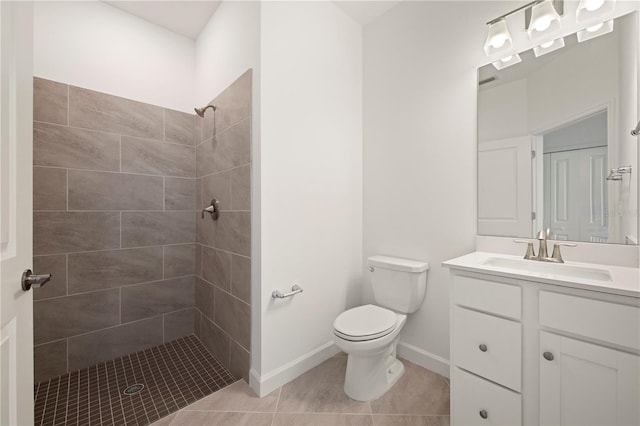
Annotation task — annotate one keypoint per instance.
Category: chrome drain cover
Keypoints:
(133, 389)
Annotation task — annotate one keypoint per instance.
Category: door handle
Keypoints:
(30, 280)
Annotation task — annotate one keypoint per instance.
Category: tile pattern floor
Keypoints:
(420, 398)
(175, 375)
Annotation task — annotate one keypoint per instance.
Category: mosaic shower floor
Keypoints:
(174, 375)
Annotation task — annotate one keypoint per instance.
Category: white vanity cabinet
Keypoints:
(524, 351)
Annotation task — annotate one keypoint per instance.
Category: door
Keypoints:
(504, 187)
(16, 148)
(577, 197)
(586, 384)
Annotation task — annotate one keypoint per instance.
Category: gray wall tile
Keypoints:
(147, 300)
(178, 324)
(198, 255)
(49, 188)
(233, 316)
(204, 297)
(60, 146)
(50, 101)
(61, 232)
(113, 268)
(216, 267)
(114, 342)
(114, 191)
(99, 111)
(205, 229)
(157, 228)
(179, 127)
(241, 277)
(157, 158)
(180, 194)
(199, 203)
(234, 103)
(179, 260)
(197, 320)
(68, 316)
(241, 188)
(233, 232)
(228, 149)
(217, 186)
(215, 340)
(55, 265)
(240, 361)
(50, 360)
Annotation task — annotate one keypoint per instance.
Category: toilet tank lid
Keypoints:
(398, 264)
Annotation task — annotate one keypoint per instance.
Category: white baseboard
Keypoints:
(424, 359)
(267, 383)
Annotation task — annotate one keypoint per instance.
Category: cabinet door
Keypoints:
(586, 384)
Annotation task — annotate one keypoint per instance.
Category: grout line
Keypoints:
(132, 211)
(123, 248)
(117, 172)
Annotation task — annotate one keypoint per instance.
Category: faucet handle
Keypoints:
(530, 254)
(556, 255)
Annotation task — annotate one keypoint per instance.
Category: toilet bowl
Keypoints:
(372, 366)
(369, 334)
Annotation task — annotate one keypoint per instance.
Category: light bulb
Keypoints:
(547, 44)
(592, 5)
(543, 23)
(498, 41)
(595, 28)
(507, 59)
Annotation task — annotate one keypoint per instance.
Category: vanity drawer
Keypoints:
(474, 398)
(488, 296)
(605, 321)
(488, 346)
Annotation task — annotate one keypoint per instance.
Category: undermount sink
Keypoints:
(558, 269)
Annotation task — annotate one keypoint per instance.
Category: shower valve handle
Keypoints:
(213, 210)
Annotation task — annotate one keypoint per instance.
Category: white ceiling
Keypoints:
(183, 17)
(365, 11)
(189, 17)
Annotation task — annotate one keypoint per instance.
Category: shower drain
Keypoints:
(133, 389)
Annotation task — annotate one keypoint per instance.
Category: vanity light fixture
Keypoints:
(549, 47)
(594, 9)
(507, 61)
(595, 30)
(498, 39)
(544, 19)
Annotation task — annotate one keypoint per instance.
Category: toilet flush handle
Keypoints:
(371, 269)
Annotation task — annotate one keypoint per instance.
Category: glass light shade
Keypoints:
(548, 47)
(595, 30)
(507, 61)
(498, 39)
(544, 19)
(589, 10)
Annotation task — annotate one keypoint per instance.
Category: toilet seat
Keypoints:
(364, 323)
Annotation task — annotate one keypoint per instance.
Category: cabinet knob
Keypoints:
(548, 356)
(483, 347)
(484, 414)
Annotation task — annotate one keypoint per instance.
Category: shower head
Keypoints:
(614, 175)
(200, 111)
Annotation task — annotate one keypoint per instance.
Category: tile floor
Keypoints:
(174, 375)
(420, 398)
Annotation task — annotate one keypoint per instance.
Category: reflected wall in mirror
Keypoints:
(550, 131)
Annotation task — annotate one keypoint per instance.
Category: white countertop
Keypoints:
(624, 281)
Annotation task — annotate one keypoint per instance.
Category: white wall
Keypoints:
(420, 63)
(311, 182)
(93, 45)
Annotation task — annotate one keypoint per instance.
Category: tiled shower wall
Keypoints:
(223, 265)
(114, 222)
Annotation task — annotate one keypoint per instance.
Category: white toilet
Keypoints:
(369, 334)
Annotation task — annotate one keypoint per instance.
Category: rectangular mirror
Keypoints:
(554, 143)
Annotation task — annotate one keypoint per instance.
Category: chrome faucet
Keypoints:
(543, 254)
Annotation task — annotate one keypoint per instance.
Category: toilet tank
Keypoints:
(398, 284)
